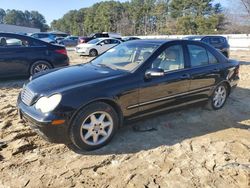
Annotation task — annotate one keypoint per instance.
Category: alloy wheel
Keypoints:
(220, 96)
(40, 67)
(96, 128)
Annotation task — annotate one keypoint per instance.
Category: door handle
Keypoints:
(185, 76)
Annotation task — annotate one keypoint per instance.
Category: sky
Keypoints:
(55, 9)
(51, 9)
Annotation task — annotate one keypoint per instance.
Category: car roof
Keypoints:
(202, 36)
(103, 38)
(4, 34)
(150, 41)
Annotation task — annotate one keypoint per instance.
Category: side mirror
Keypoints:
(154, 72)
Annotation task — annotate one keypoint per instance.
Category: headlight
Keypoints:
(47, 104)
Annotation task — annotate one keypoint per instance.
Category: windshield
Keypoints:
(126, 56)
(94, 41)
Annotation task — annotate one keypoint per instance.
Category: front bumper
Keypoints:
(81, 51)
(42, 124)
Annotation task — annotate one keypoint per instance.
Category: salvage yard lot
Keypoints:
(193, 147)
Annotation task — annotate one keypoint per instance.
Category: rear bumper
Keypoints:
(43, 124)
(234, 82)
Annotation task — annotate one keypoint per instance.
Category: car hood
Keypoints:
(66, 78)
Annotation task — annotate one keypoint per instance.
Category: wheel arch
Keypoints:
(226, 82)
(108, 101)
(37, 60)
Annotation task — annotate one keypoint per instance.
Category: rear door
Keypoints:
(205, 70)
(171, 88)
(13, 57)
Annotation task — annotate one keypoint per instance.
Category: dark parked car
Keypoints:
(218, 42)
(69, 41)
(23, 56)
(125, 39)
(98, 35)
(84, 105)
(59, 39)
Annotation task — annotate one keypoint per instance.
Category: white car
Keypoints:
(96, 46)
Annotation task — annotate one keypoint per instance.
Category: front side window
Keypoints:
(198, 55)
(170, 59)
(125, 57)
(114, 41)
(104, 42)
(94, 41)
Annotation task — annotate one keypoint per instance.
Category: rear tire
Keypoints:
(94, 126)
(218, 98)
(93, 53)
(39, 66)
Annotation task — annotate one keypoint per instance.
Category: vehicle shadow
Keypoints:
(172, 128)
(12, 83)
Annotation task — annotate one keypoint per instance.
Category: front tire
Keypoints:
(94, 126)
(218, 98)
(93, 53)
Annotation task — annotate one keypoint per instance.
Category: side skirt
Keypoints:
(165, 109)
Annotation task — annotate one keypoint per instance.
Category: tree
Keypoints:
(141, 17)
(26, 18)
(246, 4)
(2, 15)
(197, 16)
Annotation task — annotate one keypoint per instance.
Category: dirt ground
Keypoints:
(193, 147)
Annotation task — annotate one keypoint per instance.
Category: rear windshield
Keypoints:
(214, 40)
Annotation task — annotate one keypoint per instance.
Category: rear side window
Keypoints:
(105, 35)
(212, 58)
(198, 55)
(216, 40)
(13, 42)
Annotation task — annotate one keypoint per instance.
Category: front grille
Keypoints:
(27, 96)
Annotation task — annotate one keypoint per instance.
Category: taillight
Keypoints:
(61, 51)
(237, 71)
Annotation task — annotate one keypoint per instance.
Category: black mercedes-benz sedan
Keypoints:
(84, 105)
(24, 56)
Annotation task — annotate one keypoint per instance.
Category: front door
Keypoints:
(170, 89)
(104, 46)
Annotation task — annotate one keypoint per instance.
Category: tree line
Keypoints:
(145, 17)
(23, 18)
